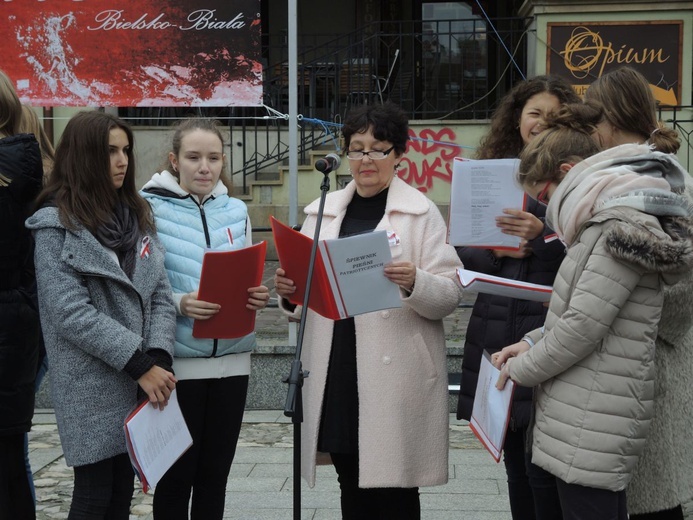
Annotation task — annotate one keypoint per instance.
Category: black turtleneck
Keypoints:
(340, 413)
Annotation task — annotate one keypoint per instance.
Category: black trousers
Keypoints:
(531, 489)
(103, 490)
(372, 503)
(15, 494)
(588, 503)
(668, 514)
(213, 411)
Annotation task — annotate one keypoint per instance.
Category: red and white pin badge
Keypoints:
(145, 249)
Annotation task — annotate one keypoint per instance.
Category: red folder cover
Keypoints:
(131, 450)
(225, 279)
(293, 250)
(348, 278)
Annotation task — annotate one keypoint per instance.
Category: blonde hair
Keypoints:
(30, 124)
(10, 107)
(567, 139)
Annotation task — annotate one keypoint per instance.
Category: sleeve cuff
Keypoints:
(528, 340)
(177, 297)
(286, 305)
(161, 358)
(138, 365)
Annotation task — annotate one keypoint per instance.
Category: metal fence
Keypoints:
(445, 69)
(681, 119)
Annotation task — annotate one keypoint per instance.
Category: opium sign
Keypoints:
(582, 52)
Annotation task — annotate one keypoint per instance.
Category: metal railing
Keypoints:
(445, 69)
(680, 118)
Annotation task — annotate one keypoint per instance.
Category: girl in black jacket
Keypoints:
(21, 175)
(497, 321)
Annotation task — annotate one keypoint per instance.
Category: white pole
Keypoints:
(293, 115)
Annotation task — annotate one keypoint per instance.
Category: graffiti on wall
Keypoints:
(430, 155)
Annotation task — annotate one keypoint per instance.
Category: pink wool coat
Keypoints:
(402, 375)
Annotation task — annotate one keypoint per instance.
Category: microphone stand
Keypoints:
(294, 398)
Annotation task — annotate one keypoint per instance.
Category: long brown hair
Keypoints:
(31, 124)
(630, 106)
(81, 185)
(503, 140)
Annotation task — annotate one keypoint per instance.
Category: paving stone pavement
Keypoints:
(261, 482)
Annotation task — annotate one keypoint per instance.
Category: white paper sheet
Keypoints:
(485, 283)
(157, 438)
(491, 410)
(479, 192)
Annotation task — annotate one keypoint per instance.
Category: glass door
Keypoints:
(454, 55)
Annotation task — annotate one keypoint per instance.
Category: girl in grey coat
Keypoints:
(106, 309)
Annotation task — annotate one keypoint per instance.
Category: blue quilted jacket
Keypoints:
(187, 229)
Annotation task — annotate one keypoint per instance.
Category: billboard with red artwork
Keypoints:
(134, 53)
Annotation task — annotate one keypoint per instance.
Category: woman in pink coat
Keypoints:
(376, 398)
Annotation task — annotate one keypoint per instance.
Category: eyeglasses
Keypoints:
(542, 197)
(375, 155)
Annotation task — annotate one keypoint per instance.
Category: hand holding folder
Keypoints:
(348, 277)
(491, 410)
(156, 439)
(225, 279)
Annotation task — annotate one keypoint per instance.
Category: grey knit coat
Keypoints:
(94, 318)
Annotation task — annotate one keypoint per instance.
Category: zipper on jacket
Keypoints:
(208, 240)
(204, 226)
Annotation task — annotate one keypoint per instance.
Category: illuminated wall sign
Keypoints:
(134, 53)
(582, 52)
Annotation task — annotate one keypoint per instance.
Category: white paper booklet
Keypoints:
(479, 193)
(355, 269)
(156, 439)
(485, 283)
(491, 410)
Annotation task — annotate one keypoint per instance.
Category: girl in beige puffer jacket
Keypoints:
(628, 235)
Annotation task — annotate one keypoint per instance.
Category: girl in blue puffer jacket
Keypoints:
(194, 213)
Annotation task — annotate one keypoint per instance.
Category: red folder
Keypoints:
(293, 250)
(225, 279)
(131, 450)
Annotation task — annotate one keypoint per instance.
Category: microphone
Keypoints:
(330, 163)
